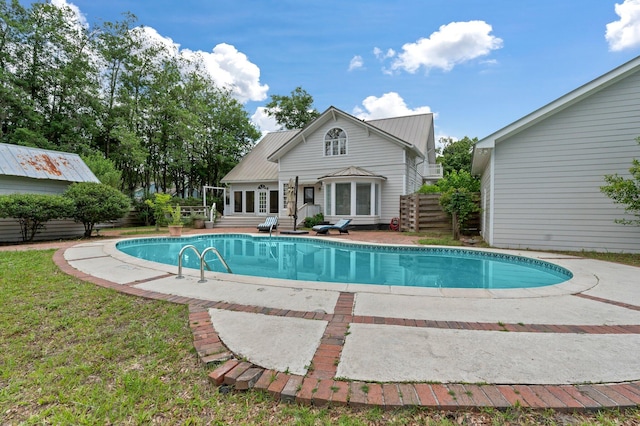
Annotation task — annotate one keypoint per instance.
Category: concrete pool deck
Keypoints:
(571, 346)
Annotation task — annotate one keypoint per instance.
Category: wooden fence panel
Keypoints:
(423, 213)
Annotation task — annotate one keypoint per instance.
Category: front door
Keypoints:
(262, 202)
(309, 195)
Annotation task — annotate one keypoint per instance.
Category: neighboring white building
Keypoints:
(541, 175)
(346, 168)
(40, 171)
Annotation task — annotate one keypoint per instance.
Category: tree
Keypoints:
(159, 117)
(626, 191)
(456, 155)
(292, 112)
(33, 211)
(458, 197)
(160, 206)
(54, 76)
(460, 204)
(115, 45)
(104, 169)
(95, 202)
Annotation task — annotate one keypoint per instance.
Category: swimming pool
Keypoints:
(313, 259)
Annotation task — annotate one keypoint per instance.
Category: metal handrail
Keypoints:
(217, 253)
(202, 261)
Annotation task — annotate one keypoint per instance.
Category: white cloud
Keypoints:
(80, 18)
(452, 44)
(388, 105)
(390, 53)
(356, 62)
(228, 67)
(232, 69)
(150, 37)
(625, 33)
(264, 122)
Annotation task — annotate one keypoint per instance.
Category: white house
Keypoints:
(541, 175)
(40, 171)
(346, 168)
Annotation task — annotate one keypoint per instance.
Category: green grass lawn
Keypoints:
(75, 353)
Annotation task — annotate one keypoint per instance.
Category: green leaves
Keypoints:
(110, 90)
(625, 191)
(456, 155)
(33, 211)
(95, 202)
(292, 112)
(460, 204)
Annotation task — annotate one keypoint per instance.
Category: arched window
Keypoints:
(335, 142)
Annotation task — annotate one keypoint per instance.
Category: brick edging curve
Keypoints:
(319, 387)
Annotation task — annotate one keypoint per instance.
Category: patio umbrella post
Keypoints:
(295, 206)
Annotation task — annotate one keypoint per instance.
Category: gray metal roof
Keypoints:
(413, 129)
(35, 163)
(254, 166)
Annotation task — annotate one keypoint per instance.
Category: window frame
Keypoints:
(335, 145)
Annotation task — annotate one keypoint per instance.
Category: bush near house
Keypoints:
(626, 191)
(311, 221)
(95, 202)
(33, 211)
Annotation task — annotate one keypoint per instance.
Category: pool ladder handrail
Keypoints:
(202, 261)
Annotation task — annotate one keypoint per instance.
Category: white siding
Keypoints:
(243, 187)
(548, 177)
(365, 150)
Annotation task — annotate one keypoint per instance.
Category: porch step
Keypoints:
(251, 222)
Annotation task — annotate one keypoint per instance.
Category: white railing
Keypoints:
(308, 210)
(433, 171)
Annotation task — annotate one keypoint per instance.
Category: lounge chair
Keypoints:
(342, 226)
(271, 222)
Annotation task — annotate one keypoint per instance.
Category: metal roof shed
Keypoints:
(35, 163)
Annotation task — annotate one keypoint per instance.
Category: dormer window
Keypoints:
(335, 142)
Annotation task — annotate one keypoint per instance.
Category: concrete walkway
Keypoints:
(569, 346)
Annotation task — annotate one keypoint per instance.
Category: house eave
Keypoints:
(333, 113)
(489, 142)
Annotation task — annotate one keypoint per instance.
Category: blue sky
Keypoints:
(477, 65)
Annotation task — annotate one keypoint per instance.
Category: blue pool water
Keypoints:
(311, 259)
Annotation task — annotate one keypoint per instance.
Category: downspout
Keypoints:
(493, 195)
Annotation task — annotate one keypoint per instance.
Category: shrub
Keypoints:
(626, 191)
(429, 189)
(459, 179)
(459, 203)
(310, 222)
(145, 212)
(95, 203)
(33, 211)
(159, 205)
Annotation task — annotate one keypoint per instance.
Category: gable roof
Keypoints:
(254, 167)
(414, 132)
(36, 163)
(479, 162)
